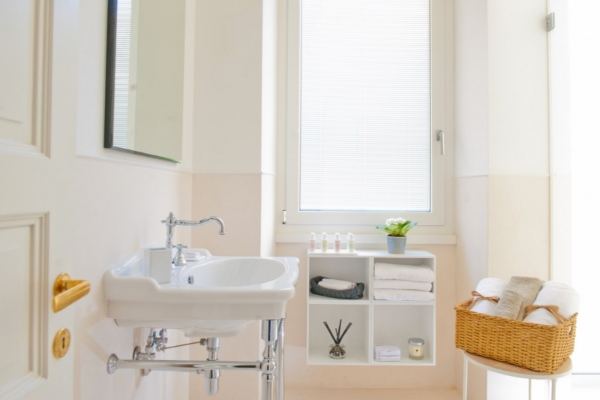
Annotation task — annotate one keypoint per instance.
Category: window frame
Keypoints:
(437, 215)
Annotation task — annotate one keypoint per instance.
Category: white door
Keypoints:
(37, 153)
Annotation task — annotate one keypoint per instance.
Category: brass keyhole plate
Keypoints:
(62, 341)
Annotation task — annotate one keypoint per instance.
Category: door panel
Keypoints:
(38, 51)
(24, 309)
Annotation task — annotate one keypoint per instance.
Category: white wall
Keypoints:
(502, 154)
(120, 200)
(583, 133)
(234, 152)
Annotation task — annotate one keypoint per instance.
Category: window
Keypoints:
(362, 103)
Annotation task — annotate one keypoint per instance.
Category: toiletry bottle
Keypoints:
(312, 241)
(351, 248)
(337, 243)
(324, 242)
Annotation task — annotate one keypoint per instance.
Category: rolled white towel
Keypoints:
(554, 294)
(488, 287)
(336, 284)
(396, 284)
(402, 295)
(421, 273)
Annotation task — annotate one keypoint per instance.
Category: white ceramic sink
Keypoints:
(226, 294)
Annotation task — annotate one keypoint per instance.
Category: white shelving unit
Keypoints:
(374, 322)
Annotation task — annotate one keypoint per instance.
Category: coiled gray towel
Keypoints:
(527, 288)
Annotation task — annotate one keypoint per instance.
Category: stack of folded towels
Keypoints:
(403, 282)
(526, 299)
(387, 353)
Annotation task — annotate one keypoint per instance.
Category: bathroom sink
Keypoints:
(213, 297)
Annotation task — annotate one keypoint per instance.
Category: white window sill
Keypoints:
(369, 238)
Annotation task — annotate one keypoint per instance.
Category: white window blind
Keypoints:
(122, 62)
(365, 123)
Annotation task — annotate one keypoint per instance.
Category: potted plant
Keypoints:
(397, 228)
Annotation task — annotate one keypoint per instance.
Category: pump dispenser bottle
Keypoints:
(338, 243)
(312, 242)
(324, 242)
(351, 248)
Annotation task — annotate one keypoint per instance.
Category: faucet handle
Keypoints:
(179, 259)
(170, 221)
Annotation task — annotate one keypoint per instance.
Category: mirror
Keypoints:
(144, 77)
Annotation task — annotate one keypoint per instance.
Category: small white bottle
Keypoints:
(312, 242)
(338, 243)
(324, 242)
(351, 248)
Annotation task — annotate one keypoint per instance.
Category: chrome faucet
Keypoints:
(172, 222)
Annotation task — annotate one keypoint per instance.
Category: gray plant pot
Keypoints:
(396, 244)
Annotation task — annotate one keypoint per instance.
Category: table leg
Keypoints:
(529, 389)
(553, 389)
(465, 375)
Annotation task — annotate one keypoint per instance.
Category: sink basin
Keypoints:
(242, 271)
(224, 295)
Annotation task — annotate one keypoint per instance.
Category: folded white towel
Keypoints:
(387, 358)
(488, 287)
(402, 295)
(387, 351)
(554, 294)
(396, 284)
(421, 273)
(336, 284)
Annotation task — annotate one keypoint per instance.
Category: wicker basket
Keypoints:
(541, 348)
(350, 294)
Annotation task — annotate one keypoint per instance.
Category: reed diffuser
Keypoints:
(337, 350)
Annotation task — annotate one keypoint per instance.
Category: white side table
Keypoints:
(513, 370)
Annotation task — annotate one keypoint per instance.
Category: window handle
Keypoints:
(440, 138)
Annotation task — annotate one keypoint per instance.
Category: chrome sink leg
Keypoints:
(268, 365)
(279, 354)
(211, 376)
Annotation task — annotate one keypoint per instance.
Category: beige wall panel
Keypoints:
(519, 227)
(236, 198)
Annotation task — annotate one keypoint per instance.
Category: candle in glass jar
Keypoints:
(416, 348)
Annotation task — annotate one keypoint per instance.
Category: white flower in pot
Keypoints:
(397, 228)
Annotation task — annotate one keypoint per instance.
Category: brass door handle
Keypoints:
(67, 291)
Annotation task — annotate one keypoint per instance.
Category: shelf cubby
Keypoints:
(353, 269)
(356, 340)
(395, 325)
